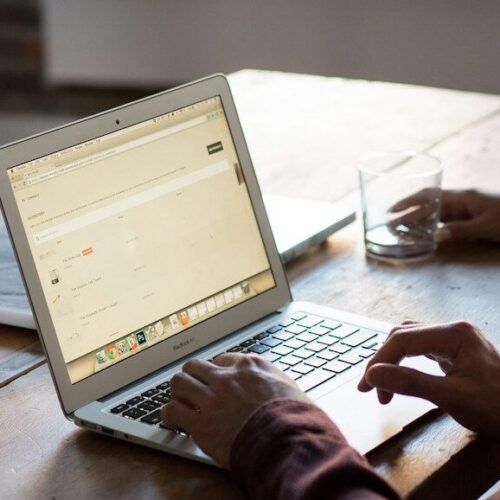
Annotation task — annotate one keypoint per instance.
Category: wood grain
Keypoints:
(20, 352)
(305, 134)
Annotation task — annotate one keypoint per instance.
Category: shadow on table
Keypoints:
(93, 466)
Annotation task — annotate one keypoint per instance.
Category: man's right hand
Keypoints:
(470, 389)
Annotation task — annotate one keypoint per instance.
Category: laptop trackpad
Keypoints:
(363, 420)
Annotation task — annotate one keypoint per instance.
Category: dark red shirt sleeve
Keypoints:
(291, 450)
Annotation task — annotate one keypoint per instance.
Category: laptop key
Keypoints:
(152, 418)
(236, 348)
(328, 340)
(303, 353)
(312, 380)
(271, 342)
(120, 408)
(287, 322)
(328, 355)
(358, 338)
(351, 358)
(284, 335)
(336, 366)
(261, 336)
(294, 343)
(310, 320)
(163, 386)
(344, 331)
(248, 343)
(302, 369)
(274, 329)
(135, 400)
(330, 324)
(340, 348)
(316, 362)
(296, 329)
(270, 356)
(150, 393)
(149, 405)
(307, 337)
(365, 353)
(258, 348)
(298, 316)
(134, 413)
(282, 350)
(294, 375)
(290, 360)
(319, 330)
(161, 398)
(282, 366)
(315, 347)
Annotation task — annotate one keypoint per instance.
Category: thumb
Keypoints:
(459, 230)
(403, 380)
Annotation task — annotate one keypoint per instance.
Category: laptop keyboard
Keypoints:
(309, 348)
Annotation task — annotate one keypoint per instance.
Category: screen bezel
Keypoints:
(74, 396)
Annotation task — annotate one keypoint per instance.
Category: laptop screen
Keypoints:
(140, 234)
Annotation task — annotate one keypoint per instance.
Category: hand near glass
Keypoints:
(466, 215)
(470, 389)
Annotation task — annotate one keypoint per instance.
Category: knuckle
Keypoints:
(465, 328)
(246, 361)
(177, 379)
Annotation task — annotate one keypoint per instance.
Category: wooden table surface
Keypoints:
(304, 133)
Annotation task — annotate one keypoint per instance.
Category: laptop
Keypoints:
(143, 241)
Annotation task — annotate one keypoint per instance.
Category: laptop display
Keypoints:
(140, 234)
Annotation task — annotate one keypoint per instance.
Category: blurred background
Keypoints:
(60, 59)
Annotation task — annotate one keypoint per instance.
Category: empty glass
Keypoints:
(401, 200)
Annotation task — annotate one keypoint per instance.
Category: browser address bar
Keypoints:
(69, 167)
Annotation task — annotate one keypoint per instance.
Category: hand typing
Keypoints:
(212, 401)
(470, 389)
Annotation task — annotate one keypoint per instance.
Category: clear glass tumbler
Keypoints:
(401, 201)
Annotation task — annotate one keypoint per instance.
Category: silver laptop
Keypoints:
(143, 242)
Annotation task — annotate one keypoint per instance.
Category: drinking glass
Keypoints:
(401, 201)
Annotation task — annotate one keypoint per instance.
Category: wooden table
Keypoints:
(304, 133)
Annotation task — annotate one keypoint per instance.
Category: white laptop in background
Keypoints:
(300, 224)
(143, 241)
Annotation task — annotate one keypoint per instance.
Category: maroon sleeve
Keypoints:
(291, 450)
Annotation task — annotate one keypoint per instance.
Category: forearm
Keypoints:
(291, 450)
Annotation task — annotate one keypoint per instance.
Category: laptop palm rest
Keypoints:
(362, 419)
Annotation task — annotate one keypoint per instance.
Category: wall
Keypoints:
(447, 43)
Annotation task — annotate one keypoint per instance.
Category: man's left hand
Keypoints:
(212, 401)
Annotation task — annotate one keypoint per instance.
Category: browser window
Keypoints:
(140, 234)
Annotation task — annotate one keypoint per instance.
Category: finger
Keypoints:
(179, 416)
(413, 215)
(422, 197)
(407, 381)
(228, 359)
(414, 341)
(363, 386)
(189, 390)
(461, 230)
(454, 205)
(202, 370)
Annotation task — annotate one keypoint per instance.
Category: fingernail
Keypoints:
(442, 234)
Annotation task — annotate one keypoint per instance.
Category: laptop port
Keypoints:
(111, 432)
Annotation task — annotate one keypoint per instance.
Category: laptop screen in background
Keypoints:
(140, 234)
